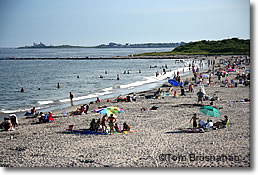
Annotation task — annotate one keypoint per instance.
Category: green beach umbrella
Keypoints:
(210, 111)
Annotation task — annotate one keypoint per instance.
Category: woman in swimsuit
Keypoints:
(103, 123)
(111, 123)
(194, 118)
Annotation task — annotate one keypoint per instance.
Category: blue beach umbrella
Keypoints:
(173, 82)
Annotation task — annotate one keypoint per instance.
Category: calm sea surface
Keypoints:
(75, 52)
(39, 78)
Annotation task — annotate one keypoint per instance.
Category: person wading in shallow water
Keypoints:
(71, 98)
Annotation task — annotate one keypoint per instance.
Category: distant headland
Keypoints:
(43, 46)
(109, 45)
(233, 46)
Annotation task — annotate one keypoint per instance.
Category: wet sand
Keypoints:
(157, 142)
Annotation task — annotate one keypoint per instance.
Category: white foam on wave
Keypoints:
(9, 111)
(87, 96)
(107, 89)
(153, 79)
(15, 110)
(64, 100)
(146, 80)
(45, 102)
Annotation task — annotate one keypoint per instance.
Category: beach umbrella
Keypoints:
(205, 75)
(210, 111)
(173, 82)
(231, 70)
(225, 63)
(109, 110)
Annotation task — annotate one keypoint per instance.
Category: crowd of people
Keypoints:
(9, 123)
(101, 125)
(197, 81)
(202, 126)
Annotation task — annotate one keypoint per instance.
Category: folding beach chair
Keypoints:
(64, 111)
(70, 128)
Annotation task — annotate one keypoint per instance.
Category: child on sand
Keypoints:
(117, 128)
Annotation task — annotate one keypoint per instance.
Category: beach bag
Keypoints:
(154, 108)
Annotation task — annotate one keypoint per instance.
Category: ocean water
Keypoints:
(39, 79)
(75, 52)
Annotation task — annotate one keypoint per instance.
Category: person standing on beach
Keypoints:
(194, 118)
(71, 98)
(191, 90)
(200, 95)
(111, 123)
(103, 123)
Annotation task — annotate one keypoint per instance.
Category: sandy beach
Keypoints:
(159, 140)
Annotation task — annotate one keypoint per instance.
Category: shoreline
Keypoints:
(127, 57)
(152, 90)
(136, 89)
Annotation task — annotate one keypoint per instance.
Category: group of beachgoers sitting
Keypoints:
(128, 98)
(42, 117)
(32, 113)
(232, 66)
(9, 123)
(46, 118)
(82, 110)
(100, 126)
(201, 126)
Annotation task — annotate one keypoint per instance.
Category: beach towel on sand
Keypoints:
(89, 132)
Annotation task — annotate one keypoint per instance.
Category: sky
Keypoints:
(94, 22)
